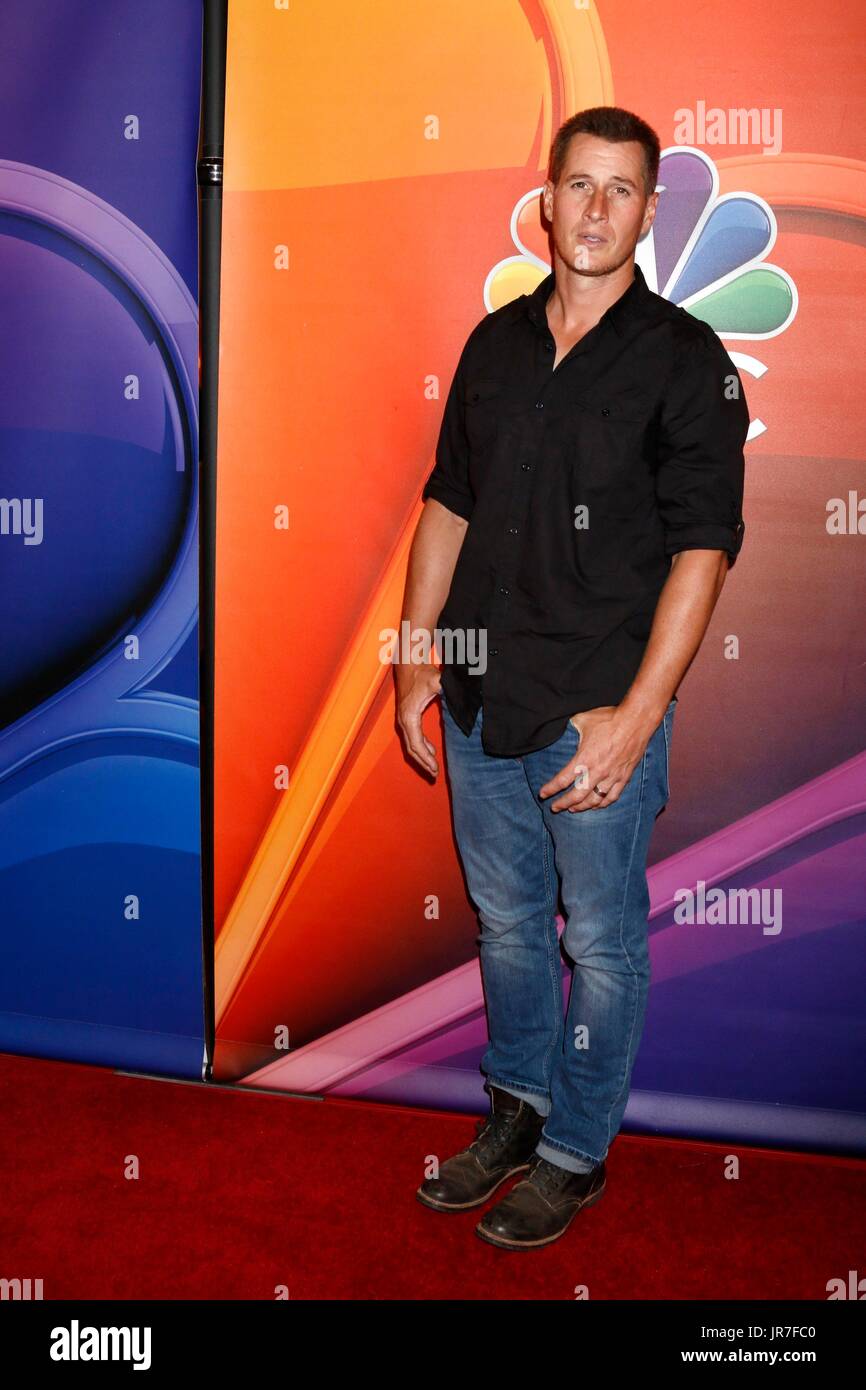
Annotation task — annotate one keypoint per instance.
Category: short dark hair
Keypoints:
(608, 123)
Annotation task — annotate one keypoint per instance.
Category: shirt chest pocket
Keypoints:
(610, 448)
(482, 409)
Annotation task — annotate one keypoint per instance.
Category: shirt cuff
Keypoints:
(450, 497)
(706, 536)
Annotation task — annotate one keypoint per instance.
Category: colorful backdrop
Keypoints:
(100, 875)
(383, 165)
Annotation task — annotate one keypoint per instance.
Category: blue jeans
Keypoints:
(575, 1070)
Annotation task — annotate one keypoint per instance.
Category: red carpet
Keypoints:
(239, 1193)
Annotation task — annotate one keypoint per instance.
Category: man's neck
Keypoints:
(578, 301)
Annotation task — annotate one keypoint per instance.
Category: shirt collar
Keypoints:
(619, 314)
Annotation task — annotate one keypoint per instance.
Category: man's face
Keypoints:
(599, 208)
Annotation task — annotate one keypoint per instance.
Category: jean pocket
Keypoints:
(667, 727)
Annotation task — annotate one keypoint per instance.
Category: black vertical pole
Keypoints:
(210, 176)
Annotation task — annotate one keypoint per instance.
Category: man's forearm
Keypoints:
(681, 619)
(432, 559)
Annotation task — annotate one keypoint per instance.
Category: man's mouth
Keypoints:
(588, 240)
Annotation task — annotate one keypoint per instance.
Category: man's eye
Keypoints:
(581, 183)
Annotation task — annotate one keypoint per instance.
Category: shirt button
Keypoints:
(548, 347)
(504, 591)
(604, 410)
(539, 405)
(526, 467)
(512, 530)
(494, 651)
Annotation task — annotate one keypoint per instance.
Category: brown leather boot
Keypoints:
(503, 1146)
(542, 1206)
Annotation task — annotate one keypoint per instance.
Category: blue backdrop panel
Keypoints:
(100, 874)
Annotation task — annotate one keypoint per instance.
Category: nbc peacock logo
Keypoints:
(706, 253)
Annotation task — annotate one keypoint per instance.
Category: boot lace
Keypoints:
(491, 1133)
(547, 1178)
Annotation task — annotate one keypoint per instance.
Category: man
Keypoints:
(578, 526)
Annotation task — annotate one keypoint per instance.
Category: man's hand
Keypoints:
(432, 559)
(417, 686)
(611, 746)
(614, 738)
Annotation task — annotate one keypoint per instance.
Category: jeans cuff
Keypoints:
(571, 1159)
(536, 1099)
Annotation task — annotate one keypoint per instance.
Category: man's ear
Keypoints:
(650, 212)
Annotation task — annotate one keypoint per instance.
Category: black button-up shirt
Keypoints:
(579, 485)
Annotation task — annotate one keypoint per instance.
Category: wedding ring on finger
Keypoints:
(581, 780)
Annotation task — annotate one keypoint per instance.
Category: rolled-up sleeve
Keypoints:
(449, 481)
(701, 466)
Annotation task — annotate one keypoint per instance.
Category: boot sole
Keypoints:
(506, 1244)
(476, 1201)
